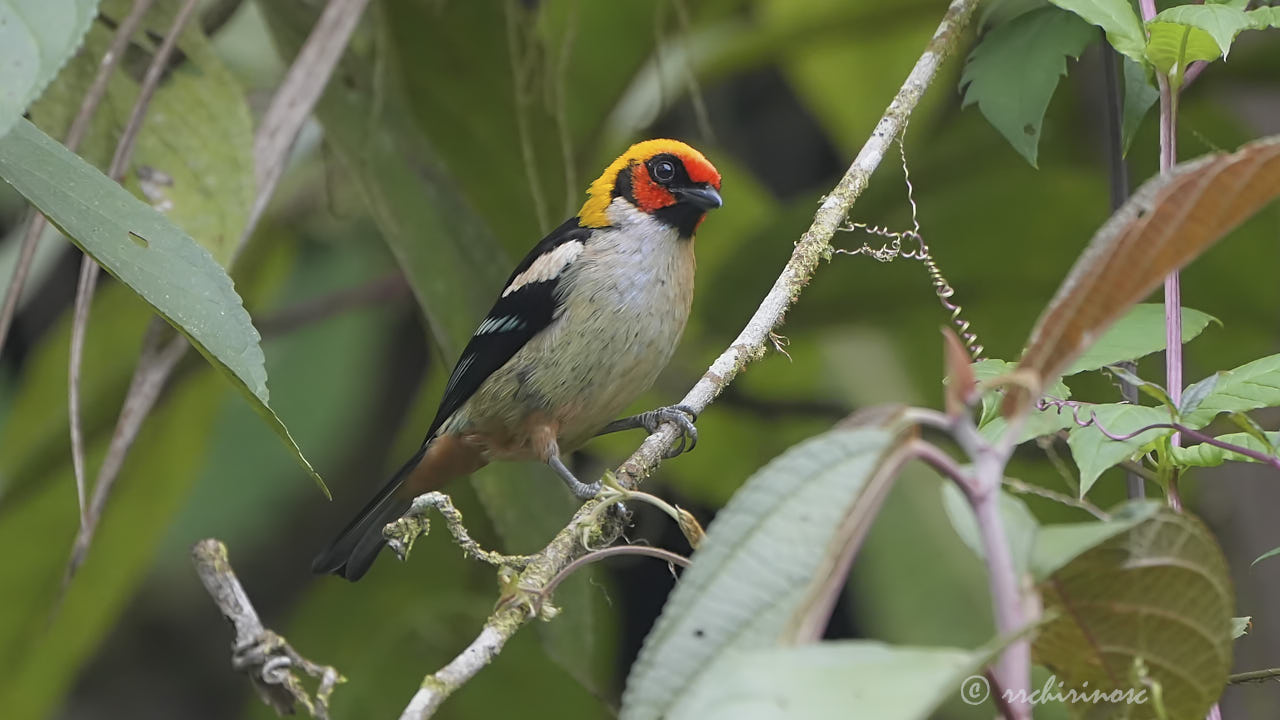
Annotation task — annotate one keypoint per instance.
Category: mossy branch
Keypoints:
(600, 529)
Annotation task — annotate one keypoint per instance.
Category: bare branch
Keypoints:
(79, 126)
(751, 344)
(264, 656)
(84, 297)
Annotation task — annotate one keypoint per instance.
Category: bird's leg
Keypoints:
(682, 415)
(542, 434)
(582, 490)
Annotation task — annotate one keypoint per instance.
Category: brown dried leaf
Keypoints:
(960, 383)
(1166, 224)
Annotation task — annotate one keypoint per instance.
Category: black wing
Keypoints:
(514, 320)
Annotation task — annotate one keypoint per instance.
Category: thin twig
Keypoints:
(264, 656)
(545, 593)
(88, 281)
(79, 126)
(413, 524)
(1022, 488)
(751, 344)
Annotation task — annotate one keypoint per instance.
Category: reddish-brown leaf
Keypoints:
(1166, 224)
(960, 380)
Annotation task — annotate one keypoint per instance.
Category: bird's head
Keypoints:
(663, 179)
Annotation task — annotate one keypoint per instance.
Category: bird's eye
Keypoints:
(664, 171)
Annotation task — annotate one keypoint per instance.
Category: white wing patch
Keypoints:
(501, 324)
(547, 267)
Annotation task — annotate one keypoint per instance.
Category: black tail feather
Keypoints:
(352, 553)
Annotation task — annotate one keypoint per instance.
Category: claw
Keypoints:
(683, 416)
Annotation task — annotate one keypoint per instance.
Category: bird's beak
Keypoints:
(705, 198)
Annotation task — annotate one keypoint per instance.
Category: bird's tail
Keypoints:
(352, 553)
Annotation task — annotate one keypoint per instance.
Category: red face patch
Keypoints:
(701, 171)
(649, 195)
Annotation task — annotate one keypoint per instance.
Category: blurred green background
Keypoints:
(455, 133)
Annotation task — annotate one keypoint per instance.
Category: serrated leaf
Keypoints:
(1206, 455)
(198, 107)
(1020, 526)
(1140, 94)
(1014, 71)
(1138, 334)
(1057, 545)
(175, 275)
(751, 574)
(1250, 386)
(1221, 22)
(1095, 452)
(1168, 222)
(1157, 596)
(1240, 626)
(1116, 18)
(36, 38)
(844, 679)
(1173, 46)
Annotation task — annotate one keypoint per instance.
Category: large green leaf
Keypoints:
(1095, 452)
(1057, 545)
(1138, 334)
(1152, 606)
(836, 679)
(1248, 387)
(198, 107)
(36, 38)
(1116, 17)
(1220, 22)
(137, 245)
(752, 573)
(1014, 71)
(1174, 45)
(1139, 95)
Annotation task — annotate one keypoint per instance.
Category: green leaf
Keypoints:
(1116, 18)
(753, 571)
(1195, 394)
(1253, 429)
(1140, 94)
(849, 678)
(1014, 71)
(36, 38)
(1240, 626)
(1150, 606)
(1039, 422)
(1138, 334)
(1153, 390)
(1250, 386)
(142, 249)
(1057, 545)
(1263, 18)
(1206, 455)
(1173, 45)
(1095, 452)
(199, 106)
(1268, 554)
(1221, 22)
(1020, 525)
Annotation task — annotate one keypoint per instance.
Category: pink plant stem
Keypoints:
(1172, 285)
